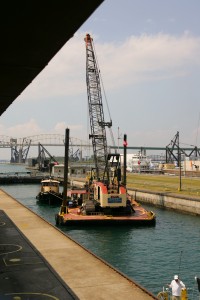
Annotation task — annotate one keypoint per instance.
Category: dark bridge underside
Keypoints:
(32, 32)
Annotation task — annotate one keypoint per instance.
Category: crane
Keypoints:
(96, 113)
(108, 194)
(42, 160)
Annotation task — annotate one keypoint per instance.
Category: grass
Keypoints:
(164, 183)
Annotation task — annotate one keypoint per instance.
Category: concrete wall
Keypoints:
(165, 200)
(186, 205)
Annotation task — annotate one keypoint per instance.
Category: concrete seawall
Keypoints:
(168, 200)
(185, 204)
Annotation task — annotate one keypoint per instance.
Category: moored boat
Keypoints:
(166, 293)
(49, 192)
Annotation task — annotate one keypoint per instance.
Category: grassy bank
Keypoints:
(164, 183)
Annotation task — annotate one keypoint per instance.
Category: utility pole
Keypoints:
(125, 150)
(64, 203)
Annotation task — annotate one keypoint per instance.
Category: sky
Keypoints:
(149, 58)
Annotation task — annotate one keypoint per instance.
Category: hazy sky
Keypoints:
(149, 57)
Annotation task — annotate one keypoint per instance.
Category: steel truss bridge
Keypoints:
(20, 146)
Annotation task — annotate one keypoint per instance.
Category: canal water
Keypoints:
(149, 255)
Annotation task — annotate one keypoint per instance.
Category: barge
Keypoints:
(106, 201)
(83, 211)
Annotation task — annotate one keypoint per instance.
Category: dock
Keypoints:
(19, 178)
(60, 267)
(25, 274)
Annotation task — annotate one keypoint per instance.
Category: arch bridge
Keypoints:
(20, 146)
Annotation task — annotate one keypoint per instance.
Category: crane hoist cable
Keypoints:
(102, 84)
(96, 113)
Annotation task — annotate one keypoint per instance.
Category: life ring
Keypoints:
(163, 296)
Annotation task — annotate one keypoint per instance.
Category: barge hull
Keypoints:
(108, 222)
(140, 217)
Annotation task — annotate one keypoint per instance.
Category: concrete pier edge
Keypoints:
(122, 286)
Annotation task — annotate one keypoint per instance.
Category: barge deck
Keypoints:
(140, 217)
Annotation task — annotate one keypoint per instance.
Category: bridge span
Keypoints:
(20, 146)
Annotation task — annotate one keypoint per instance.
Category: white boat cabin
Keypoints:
(50, 185)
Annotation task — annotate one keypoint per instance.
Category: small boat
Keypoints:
(49, 192)
(165, 294)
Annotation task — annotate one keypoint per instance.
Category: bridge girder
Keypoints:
(58, 140)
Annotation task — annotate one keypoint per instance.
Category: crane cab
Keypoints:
(109, 196)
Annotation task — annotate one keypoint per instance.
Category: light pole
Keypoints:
(119, 137)
(179, 161)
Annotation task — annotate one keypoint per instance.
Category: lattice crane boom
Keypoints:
(96, 113)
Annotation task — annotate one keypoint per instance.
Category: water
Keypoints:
(150, 256)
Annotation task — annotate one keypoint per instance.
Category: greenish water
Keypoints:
(149, 255)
